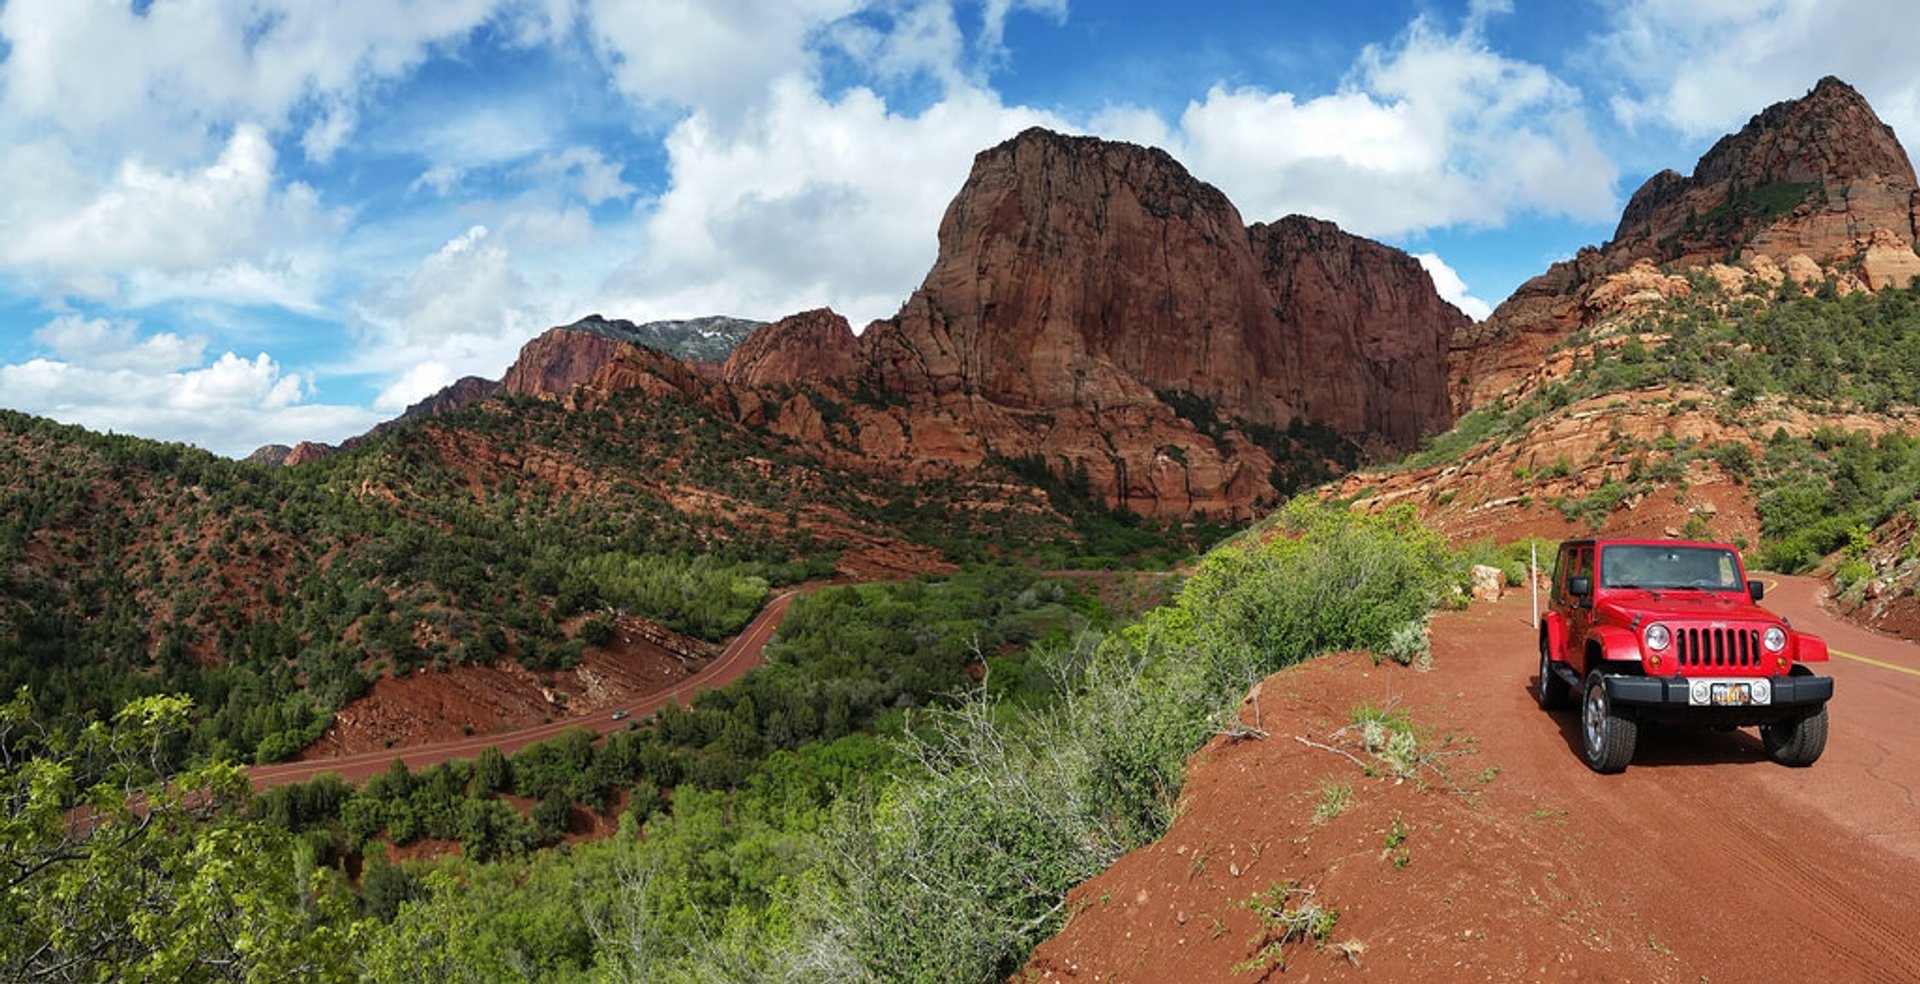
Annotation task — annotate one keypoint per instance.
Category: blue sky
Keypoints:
(236, 222)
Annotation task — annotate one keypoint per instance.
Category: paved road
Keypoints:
(1751, 868)
(743, 654)
(1870, 776)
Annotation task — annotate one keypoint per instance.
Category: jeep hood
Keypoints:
(1670, 603)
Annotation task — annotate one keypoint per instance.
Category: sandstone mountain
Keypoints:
(813, 346)
(1095, 307)
(1811, 189)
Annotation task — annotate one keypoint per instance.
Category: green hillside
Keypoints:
(274, 596)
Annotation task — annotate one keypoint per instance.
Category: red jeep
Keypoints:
(1661, 630)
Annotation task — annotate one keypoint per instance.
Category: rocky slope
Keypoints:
(1811, 176)
(1817, 187)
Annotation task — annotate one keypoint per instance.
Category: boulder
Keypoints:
(1488, 583)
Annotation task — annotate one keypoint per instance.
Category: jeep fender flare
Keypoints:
(1553, 632)
(1616, 645)
(1809, 648)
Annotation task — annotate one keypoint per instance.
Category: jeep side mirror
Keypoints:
(1580, 587)
(1756, 590)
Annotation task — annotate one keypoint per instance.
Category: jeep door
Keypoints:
(1578, 611)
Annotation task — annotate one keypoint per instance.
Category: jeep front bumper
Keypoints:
(1668, 698)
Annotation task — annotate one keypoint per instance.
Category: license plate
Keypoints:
(1729, 693)
(1738, 694)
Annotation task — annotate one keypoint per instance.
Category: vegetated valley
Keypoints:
(957, 723)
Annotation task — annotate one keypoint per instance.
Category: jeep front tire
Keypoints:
(1797, 741)
(1551, 691)
(1607, 737)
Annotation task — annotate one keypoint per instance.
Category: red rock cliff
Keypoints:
(1079, 280)
(557, 361)
(1363, 322)
(1076, 272)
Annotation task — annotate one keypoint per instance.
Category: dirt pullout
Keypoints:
(428, 706)
(1505, 859)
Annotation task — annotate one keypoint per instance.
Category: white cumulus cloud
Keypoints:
(815, 201)
(716, 55)
(467, 307)
(156, 224)
(417, 382)
(469, 286)
(586, 173)
(1434, 130)
(177, 69)
(1704, 68)
(102, 343)
(104, 375)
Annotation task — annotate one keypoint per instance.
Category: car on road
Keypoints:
(1644, 631)
(619, 715)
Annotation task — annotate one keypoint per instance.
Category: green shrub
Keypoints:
(598, 630)
(1851, 577)
(1332, 580)
(956, 872)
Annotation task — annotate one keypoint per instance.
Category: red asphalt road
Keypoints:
(1747, 870)
(1869, 780)
(743, 654)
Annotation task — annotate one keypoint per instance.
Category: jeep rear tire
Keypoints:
(1797, 741)
(1551, 691)
(1607, 738)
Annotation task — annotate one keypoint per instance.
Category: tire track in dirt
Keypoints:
(1789, 869)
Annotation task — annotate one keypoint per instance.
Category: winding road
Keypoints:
(743, 654)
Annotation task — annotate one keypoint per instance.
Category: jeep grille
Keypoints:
(1715, 647)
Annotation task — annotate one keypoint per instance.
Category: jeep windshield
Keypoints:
(1662, 567)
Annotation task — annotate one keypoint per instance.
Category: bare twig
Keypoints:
(1445, 777)
(1310, 743)
(1240, 729)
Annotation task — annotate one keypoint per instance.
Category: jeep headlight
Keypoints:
(1775, 638)
(1659, 636)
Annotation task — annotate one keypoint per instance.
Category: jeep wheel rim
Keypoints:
(1545, 668)
(1596, 716)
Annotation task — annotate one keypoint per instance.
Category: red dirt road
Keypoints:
(743, 654)
(1703, 861)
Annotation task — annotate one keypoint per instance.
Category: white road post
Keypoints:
(1533, 579)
